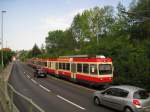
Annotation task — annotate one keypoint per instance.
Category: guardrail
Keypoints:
(25, 104)
(4, 99)
(9, 96)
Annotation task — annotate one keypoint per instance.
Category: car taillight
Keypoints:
(136, 103)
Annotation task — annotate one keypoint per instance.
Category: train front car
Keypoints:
(94, 71)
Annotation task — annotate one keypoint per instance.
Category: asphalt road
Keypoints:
(51, 94)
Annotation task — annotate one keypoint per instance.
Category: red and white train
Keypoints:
(96, 71)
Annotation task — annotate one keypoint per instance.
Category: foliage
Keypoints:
(60, 41)
(34, 52)
(23, 55)
(7, 56)
(141, 12)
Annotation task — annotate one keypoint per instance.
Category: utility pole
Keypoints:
(2, 61)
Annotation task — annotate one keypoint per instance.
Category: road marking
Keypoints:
(72, 84)
(28, 76)
(45, 88)
(70, 102)
(34, 81)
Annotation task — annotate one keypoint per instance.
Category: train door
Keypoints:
(53, 66)
(57, 66)
(48, 64)
(73, 70)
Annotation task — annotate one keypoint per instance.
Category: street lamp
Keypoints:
(2, 12)
(139, 18)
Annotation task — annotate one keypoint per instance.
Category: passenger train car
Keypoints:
(95, 71)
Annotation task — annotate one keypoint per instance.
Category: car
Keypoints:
(39, 73)
(124, 98)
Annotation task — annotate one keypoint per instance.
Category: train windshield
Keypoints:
(105, 69)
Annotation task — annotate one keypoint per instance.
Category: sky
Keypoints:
(27, 22)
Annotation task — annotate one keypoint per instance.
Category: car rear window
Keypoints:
(141, 94)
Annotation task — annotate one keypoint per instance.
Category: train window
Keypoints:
(57, 65)
(49, 64)
(105, 69)
(64, 66)
(93, 69)
(73, 67)
(35, 62)
(53, 66)
(60, 66)
(67, 66)
(45, 64)
(86, 68)
(42, 63)
(38, 63)
(79, 67)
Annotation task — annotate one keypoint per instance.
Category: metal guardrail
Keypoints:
(4, 99)
(11, 100)
(24, 101)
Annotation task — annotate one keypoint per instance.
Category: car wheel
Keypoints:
(127, 110)
(96, 101)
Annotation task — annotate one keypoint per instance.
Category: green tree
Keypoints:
(80, 28)
(34, 52)
(60, 42)
(7, 56)
(121, 24)
(140, 12)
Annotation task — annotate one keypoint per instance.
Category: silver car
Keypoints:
(124, 98)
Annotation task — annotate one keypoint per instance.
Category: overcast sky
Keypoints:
(27, 22)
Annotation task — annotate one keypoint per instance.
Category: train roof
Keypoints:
(92, 60)
(76, 59)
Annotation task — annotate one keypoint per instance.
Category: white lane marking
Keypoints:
(28, 76)
(45, 88)
(70, 102)
(34, 81)
(72, 84)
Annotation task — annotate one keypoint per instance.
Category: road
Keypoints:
(51, 94)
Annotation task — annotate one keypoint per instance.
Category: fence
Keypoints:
(10, 98)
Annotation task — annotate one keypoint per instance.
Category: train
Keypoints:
(83, 69)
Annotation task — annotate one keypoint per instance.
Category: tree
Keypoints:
(59, 42)
(140, 12)
(34, 52)
(80, 29)
(42, 48)
(121, 24)
(7, 56)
